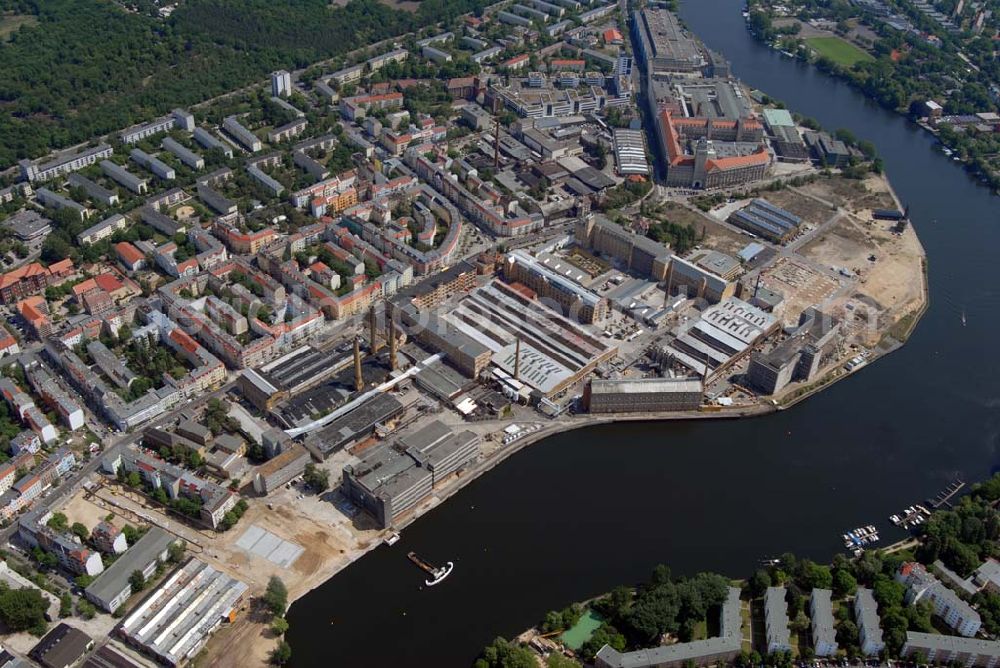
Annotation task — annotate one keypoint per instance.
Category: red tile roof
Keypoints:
(108, 282)
(759, 157)
(21, 273)
(129, 254)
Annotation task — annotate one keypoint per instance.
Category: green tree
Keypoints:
(844, 583)
(80, 531)
(316, 478)
(65, 604)
(276, 596)
(504, 654)
(85, 609)
(137, 581)
(58, 522)
(559, 661)
(279, 625)
(175, 553)
(759, 582)
(23, 610)
(281, 654)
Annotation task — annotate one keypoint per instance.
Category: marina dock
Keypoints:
(945, 496)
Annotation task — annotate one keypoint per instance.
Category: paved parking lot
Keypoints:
(263, 543)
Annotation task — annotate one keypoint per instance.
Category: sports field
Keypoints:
(582, 630)
(839, 51)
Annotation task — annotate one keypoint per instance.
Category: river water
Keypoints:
(579, 513)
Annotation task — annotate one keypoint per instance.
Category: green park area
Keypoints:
(839, 51)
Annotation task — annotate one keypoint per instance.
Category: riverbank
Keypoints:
(598, 507)
(846, 51)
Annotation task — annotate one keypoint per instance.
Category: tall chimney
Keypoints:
(392, 344)
(372, 330)
(517, 359)
(359, 381)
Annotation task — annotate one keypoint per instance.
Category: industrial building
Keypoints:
(280, 469)
(62, 647)
(723, 334)
(528, 341)
(718, 650)
(689, 279)
(798, 357)
(824, 636)
(575, 301)
(936, 650)
(664, 45)
(393, 478)
(630, 152)
(112, 588)
(632, 252)
(356, 426)
(643, 395)
(176, 619)
(869, 630)
(767, 220)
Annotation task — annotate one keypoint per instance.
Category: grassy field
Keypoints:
(839, 51)
(9, 23)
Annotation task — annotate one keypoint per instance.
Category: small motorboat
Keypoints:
(440, 574)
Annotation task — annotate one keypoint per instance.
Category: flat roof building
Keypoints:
(280, 469)
(112, 587)
(664, 44)
(183, 153)
(935, 649)
(123, 177)
(210, 141)
(96, 192)
(392, 479)
(64, 165)
(643, 395)
(824, 636)
(62, 647)
(776, 620)
(243, 136)
(869, 629)
(161, 169)
(29, 225)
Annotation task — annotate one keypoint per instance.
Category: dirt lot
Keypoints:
(718, 237)
(855, 195)
(801, 285)
(889, 287)
(807, 209)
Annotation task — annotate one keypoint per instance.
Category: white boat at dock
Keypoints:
(441, 574)
(392, 538)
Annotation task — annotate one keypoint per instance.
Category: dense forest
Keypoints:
(87, 67)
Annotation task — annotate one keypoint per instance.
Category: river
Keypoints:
(579, 513)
